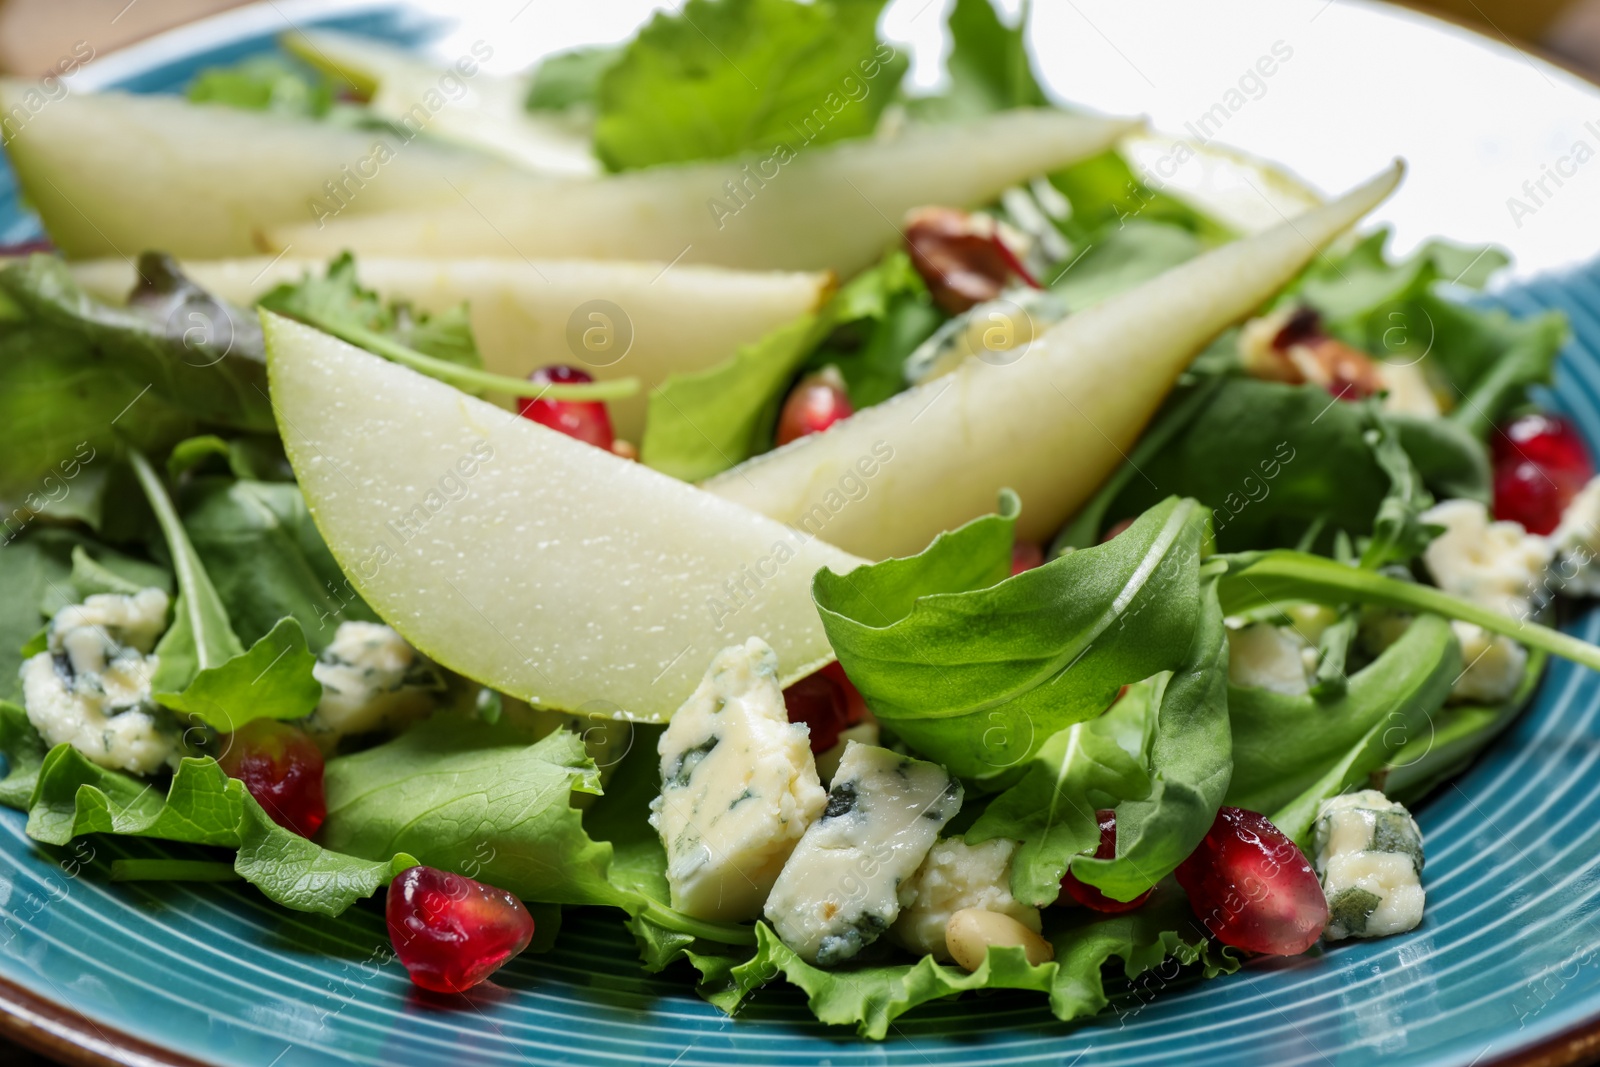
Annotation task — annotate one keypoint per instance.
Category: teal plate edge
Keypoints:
(1504, 967)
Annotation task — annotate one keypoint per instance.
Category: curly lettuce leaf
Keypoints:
(721, 77)
(989, 66)
(272, 679)
(73, 797)
(870, 997)
(570, 79)
(977, 671)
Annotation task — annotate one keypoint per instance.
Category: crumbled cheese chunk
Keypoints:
(1369, 857)
(738, 787)
(1494, 666)
(371, 680)
(1270, 657)
(957, 875)
(1495, 564)
(840, 889)
(1001, 325)
(1577, 543)
(866, 733)
(91, 688)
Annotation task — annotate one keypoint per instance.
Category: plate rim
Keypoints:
(69, 1037)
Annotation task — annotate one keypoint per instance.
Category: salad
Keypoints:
(888, 544)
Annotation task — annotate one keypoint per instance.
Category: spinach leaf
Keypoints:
(989, 66)
(273, 680)
(978, 675)
(721, 77)
(701, 424)
(198, 354)
(467, 796)
(871, 996)
(1283, 745)
(267, 559)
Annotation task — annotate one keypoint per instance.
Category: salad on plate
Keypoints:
(895, 545)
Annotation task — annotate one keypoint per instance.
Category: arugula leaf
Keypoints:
(943, 659)
(267, 559)
(1398, 533)
(273, 680)
(90, 578)
(74, 797)
(1365, 280)
(1106, 194)
(1051, 811)
(440, 346)
(1255, 580)
(570, 79)
(200, 355)
(1282, 744)
(1123, 257)
(701, 424)
(200, 637)
(879, 317)
(871, 996)
(24, 752)
(265, 83)
(989, 66)
(464, 795)
(721, 77)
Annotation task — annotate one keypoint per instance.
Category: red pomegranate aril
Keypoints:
(1252, 888)
(1533, 495)
(452, 932)
(1548, 440)
(827, 702)
(282, 768)
(816, 403)
(587, 420)
(1116, 528)
(1088, 895)
(1025, 555)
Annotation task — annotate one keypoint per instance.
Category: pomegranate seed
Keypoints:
(587, 420)
(1088, 895)
(452, 932)
(1252, 887)
(827, 702)
(1532, 495)
(1025, 555)
(282, 768)
(816, 403)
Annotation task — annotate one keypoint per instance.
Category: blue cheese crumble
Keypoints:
(839, 892)
(91, 687)
(1369, 858)
(738, 787)
(371, 680)
(955, 876)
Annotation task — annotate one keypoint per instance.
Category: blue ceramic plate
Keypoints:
(1503, 969)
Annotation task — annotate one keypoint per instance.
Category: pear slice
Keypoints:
(522, 558)
(611, 319)
(480, 109)
(796, 208)
(1050, 420)
(117, 174)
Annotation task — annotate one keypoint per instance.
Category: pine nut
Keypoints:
(972, 931)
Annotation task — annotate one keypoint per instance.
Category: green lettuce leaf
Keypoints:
(265, 83)
(977, 671)
(302, 875)
(1122, 257)
(1106, 194)
(870, 997)
(722, 77)
(701, 424)
(272, 680)
(73, 797)
(468, 796)
(879, 318)
(570, 79)
(1398, 533)
(24, 751)
(989, 67)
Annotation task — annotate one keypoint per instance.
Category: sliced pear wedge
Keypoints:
(612, 319)
(522, 558)
(116, 173)
(1050, 420)
(798, 208)
(477, 108)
